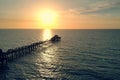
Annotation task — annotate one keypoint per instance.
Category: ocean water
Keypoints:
(80, 55)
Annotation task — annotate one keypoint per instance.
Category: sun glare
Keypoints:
(48, 18)
(47, 34)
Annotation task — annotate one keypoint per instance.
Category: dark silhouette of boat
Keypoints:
(55, 38)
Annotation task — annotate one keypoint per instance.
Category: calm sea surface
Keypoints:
(81, 55)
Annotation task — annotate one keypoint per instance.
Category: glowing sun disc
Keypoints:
(48, 17)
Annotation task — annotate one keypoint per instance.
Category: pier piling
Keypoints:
(12, 54)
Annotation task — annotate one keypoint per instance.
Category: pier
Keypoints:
(15, 53)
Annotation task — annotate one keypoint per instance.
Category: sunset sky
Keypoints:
(71, 14)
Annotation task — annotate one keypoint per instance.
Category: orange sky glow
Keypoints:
(33, 16)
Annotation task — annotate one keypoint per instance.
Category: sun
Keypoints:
(48, 18)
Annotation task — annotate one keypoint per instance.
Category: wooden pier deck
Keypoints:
(12, 54)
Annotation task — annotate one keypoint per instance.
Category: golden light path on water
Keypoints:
(47, 58)
(47, 34)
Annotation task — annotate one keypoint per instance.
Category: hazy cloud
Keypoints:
(96, 7)
(99, 6)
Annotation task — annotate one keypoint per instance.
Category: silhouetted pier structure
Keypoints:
(12, 54)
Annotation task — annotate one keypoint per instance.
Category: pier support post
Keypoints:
(3, 57)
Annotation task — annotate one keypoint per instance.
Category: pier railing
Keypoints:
(12, 54)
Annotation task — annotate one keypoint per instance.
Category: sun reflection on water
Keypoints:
(47, 61)
(47, 34)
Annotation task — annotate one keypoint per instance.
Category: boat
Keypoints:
(55, 38)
